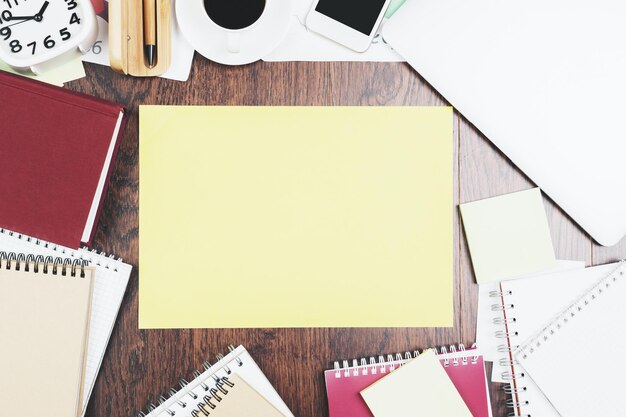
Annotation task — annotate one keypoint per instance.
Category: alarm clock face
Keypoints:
(34, 31)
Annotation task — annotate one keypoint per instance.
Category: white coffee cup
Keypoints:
(234, 35)
(235, 17)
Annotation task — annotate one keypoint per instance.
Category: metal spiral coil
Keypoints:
(212, 400)
(185, 397)
(384, 364)
(84, 254)
(39, 264)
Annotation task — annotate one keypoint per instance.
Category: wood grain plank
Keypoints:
(139, 365)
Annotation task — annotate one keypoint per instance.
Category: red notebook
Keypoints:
(466, 370)
(57, 150)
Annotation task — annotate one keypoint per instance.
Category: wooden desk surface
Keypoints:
(141, 365)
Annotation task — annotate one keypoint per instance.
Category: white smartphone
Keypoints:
(352, 23)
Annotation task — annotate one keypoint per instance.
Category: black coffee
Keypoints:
(234, 14)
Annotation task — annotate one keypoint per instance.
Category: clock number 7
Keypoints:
(71, 4)
(34, 45)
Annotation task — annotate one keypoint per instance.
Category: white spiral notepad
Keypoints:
(110, 281)
(588, 331)
(519, 309)
(195, 398)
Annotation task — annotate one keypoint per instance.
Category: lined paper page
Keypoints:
(110, 283)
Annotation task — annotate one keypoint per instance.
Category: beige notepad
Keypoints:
(419, 388)
(508, 236)
(236, 398)
(44, 328)
(301, 216)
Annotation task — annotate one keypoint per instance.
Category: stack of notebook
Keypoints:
(233, 387)
(57, 310)
(559, 330)
(450, 382)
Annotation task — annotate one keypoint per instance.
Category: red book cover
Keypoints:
(57, 151)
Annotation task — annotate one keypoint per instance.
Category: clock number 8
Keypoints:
(71, 4)
(15, 46)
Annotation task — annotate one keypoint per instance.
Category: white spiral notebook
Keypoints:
(110, 281)
(520, 309)
(197, 398)
(591, 329)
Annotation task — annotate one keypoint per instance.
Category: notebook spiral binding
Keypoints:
(40, 264)
(389, 363)
(506, 321)
(84, 254)
(199, 406)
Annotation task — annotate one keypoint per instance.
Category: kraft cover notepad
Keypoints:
(109, 285)
(295, 217)
(44, 323)
(237, 363)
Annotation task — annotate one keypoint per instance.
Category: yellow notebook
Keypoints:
(419, 388)
(295, 217)
(44, 319)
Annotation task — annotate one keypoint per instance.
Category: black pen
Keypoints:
(149, 31)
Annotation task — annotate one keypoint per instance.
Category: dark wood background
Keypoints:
(142, 364)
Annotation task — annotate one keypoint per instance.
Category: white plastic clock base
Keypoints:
(212, 41)
(52, 63)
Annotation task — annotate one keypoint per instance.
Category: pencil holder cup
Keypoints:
(126, 38)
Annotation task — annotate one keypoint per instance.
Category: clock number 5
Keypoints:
(65, 35)
(71, 4)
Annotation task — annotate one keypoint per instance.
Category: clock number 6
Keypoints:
(48, 42)
(71, 4)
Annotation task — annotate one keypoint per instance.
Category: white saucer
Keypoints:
(211, 41)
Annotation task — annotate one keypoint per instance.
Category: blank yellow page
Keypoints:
(295, 217)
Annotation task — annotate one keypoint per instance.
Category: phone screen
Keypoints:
(360, 15)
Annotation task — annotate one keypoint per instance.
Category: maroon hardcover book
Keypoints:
(57, 151)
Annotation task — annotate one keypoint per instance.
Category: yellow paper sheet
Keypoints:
(419, 388)
(295, 217)
(508, 236)
(56, 74)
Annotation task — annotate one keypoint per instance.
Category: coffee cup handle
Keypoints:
(234, 42)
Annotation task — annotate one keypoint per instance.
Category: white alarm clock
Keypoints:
(33, 32)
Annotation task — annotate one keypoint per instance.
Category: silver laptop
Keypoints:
(544, 80)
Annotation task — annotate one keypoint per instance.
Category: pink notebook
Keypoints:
(465, 368)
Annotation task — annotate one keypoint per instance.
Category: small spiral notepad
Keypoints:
(234, 386)
(520, 308)
(567, 359)
(465, 368)
(44, 320)
(110, 281)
